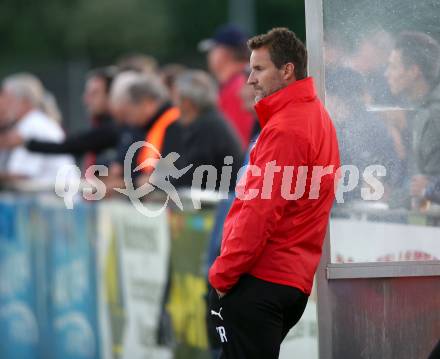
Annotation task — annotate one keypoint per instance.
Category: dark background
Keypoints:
(60, 40)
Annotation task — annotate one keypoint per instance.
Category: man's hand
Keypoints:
(418, 185)
(220, 294)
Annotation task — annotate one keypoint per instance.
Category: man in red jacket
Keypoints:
(273, 234)
(227, 56)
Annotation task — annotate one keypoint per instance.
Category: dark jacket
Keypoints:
(207, 141)
(102, 136)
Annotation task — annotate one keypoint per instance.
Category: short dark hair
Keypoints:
(107, 74)
(284, 47)
(421, 50)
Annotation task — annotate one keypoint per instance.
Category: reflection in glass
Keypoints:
(382, 66)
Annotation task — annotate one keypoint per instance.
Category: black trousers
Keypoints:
(253, 319)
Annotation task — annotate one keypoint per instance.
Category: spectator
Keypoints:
(24, 95)
(142, 101)
(369, 60)
(169, 74)
(228, 57)
(413, 73)
(206, 138)
(98, 141)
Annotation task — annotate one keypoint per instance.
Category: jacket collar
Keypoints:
(151, 121)
(297, 92)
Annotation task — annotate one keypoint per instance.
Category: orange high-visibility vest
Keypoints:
(155, 136)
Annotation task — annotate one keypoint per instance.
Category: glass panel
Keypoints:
(382, 63)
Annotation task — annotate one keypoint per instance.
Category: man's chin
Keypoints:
(259, 96)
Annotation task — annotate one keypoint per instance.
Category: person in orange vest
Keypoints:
(142, 101)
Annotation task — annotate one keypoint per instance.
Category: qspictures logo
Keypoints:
(291, 181)
(160, 178)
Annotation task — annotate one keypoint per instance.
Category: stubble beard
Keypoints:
(264, 93)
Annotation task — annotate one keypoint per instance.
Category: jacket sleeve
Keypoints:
(257, 219)
(94, 139)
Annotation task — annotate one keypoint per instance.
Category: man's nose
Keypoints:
(251, 79)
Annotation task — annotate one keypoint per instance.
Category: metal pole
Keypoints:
(315, 47)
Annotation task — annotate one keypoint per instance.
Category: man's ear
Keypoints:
(289, 71)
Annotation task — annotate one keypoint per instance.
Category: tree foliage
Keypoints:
(100, 30)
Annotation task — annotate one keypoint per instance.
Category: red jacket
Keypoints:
(279, 239)
(232, 106)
